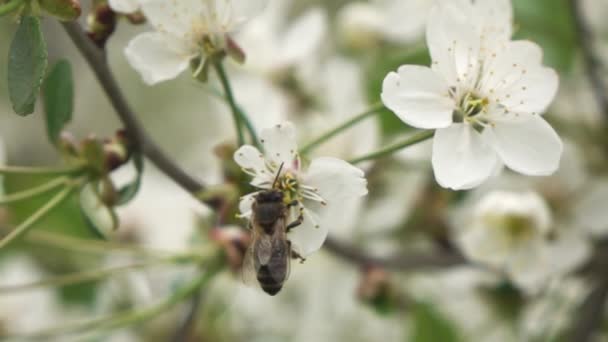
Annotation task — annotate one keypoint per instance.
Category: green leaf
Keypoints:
(27, 65)
(58, 95)
(128, 192)
(430, 326)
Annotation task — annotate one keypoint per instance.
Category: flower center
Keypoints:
(516, 228)
(471, 108)
(289, 186)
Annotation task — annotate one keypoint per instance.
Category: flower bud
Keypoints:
(235, 51)
(93, 153)
(375, 290)
(67, 146)
(65, 10)
(234, 241)
(116, 151)
(101, 24)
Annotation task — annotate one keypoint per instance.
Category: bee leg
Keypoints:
(292, 203)
(295, 255)
(297, 222)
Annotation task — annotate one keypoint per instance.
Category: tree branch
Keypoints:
(96, 59)
(591, 313)
(404, 262)
(592, 62)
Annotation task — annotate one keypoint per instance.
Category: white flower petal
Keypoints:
(250, 158)
(174, 17)
(530, 147)
(335, 179)
(155, 58)
(245, 204)
(310, 235)
(516, 78)
(569, 250)
(461, 158)
(453, 43)
(529, 266)
(484, 245)
(418, 96)
(252, 161)
(495, 22)
(304, 36)
(241, 11)
(280, 145)
(124, 6)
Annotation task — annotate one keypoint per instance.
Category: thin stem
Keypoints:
(413, 140)
(376, 108)
(37, 216)
(243, 116)
(9, 7)
(27, 170)
(236, 116)
(86, 276)
(90, 246)
(129, 317)
(33, 192)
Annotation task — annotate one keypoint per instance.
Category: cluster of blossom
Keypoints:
(483, 98)
(484, 95)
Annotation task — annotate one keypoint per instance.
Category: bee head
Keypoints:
(270, 196)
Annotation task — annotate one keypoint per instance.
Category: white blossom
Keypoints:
(26, 311)
(483, 94)
(514, 232)
(319, 189)
(275, 44)
(185, 30)
(364, 22)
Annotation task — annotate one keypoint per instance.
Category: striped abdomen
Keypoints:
(272, 275)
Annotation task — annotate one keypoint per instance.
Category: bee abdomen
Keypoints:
(268, 283)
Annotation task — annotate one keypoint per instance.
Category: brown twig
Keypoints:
(592, 62)
(96, 59)
(403, 262)
(591, 313)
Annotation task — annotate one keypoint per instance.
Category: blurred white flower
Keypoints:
(340, 93)
(550, 314)
(318, 189)
(124, 6)
(508, 231)
(26, 311)
(484, 94)
(461, 290)
(590, 210)
(364, 22)
(162, 218)
(514, 232)
(319, 291)
(274, 44)
(185, 30)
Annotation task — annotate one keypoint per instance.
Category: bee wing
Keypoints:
(281, 253)
(248, 271)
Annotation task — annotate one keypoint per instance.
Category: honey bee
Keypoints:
(269, 254)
